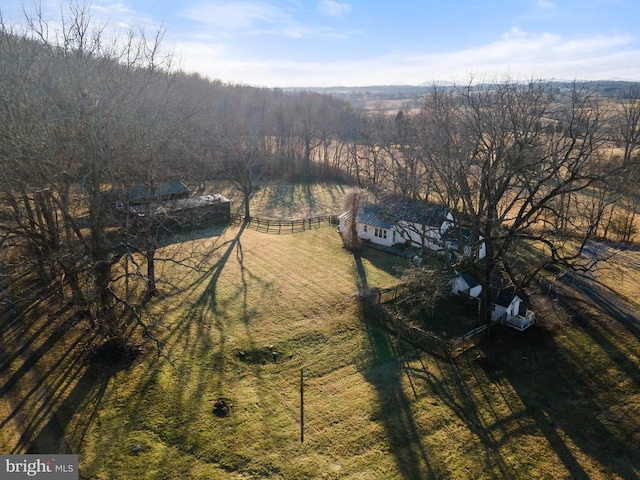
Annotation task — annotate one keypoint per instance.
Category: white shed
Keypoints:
(466, 284)
(505, 305)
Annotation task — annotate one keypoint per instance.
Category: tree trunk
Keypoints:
(152, 289)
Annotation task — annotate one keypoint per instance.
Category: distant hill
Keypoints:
(409, 95)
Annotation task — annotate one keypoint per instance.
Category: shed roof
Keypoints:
(469, 280)
(505, 299)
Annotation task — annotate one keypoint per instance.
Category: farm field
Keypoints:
(560, 400)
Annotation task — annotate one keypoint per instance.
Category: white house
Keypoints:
(416, 225)
(370, 227)
(465, 284)
(420, 226)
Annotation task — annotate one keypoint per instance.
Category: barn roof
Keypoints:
(183, 204)
(163, 190)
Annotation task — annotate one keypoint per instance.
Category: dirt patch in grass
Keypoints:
(262, 356)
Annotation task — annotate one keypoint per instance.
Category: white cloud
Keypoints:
(545, 4)
(514, 32)
(112, 8)
(261, 17)
(516, 52)
(331, 8)
(237, 15)
(524, 56)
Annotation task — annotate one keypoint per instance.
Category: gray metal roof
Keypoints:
(385, 215)
(370, 217)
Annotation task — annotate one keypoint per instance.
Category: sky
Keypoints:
(324, 43)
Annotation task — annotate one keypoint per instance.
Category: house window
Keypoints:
(365, 228)
(380, 233)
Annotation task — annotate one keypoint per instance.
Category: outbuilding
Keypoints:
(508, 309)
(466, 285)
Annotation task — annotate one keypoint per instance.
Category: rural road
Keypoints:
(608, 301)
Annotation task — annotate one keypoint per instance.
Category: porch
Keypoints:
(520, 322)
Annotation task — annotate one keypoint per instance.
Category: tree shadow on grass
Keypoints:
(197, 343)
(612, 306)
(181, 235)
(309, 197)
(385, 374)
(336, 193)
(395, 359)
(83, 400)
(47, 377)
(198, 346)
(360, 273)
(381, 260)
(457, 393)
(396, 415)
(563, 402)
(192, 333)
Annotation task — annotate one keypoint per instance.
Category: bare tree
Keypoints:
(625, 133)
(425, 286)
(240, 148)
(515, 162)
(71, 132)
(353, 201)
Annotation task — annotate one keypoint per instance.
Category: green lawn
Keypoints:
(556, 401)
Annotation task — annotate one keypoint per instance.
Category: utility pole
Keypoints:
(301, 405)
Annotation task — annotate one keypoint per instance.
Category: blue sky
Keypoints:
(283, 43)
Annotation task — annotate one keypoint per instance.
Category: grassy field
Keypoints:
(561, 400)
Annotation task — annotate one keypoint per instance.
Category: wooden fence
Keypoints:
(372, 299)
(390, 294)
(285, 226)
(426, 340)
(466, 341)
